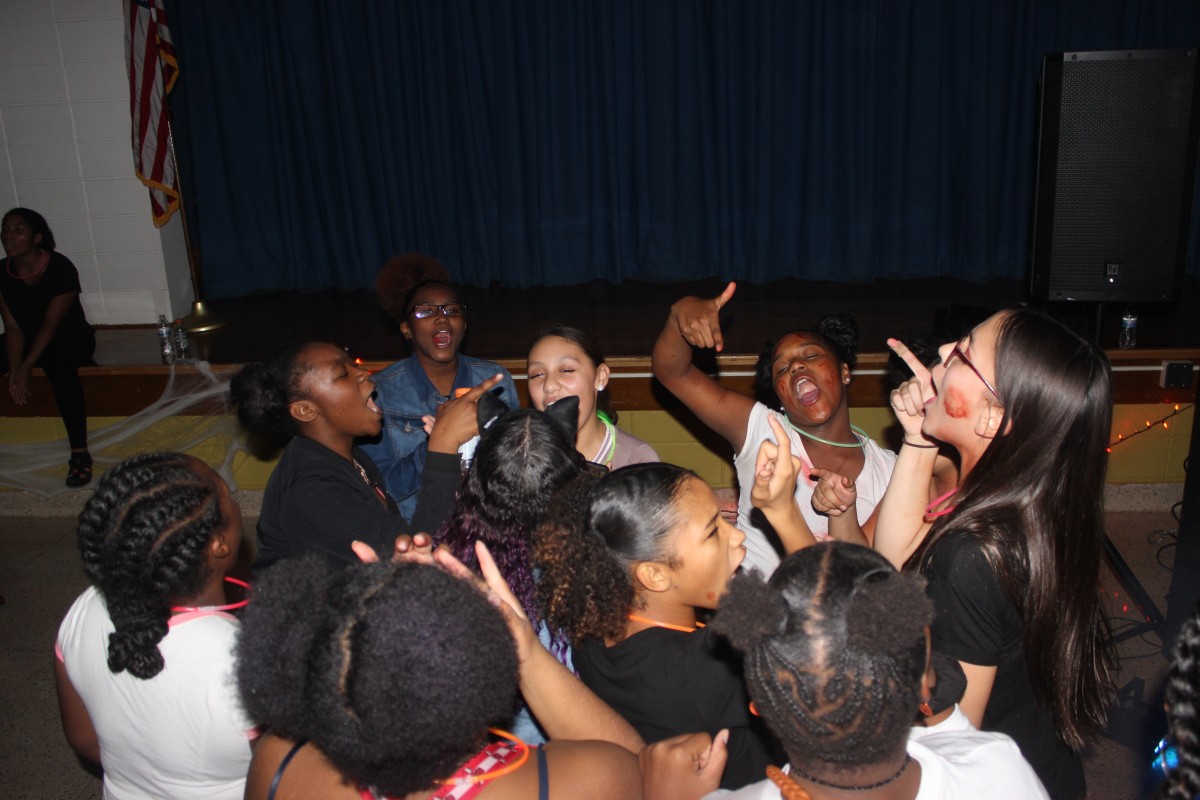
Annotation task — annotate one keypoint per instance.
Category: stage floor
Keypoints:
(627, 318)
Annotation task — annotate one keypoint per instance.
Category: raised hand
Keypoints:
(834, 493)
(456, 421)
(908, 401)
(698, 319)
(775, 472)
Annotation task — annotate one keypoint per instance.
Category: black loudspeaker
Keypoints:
(1115, 176)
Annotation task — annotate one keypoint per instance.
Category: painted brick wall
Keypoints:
(65, 152)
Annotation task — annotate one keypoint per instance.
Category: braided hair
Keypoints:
(838, 332)
(143, 537)
(394, 671)
(834, 650)
(594, 534)
(1182, 697)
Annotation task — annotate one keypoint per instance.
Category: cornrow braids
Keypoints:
(394, 671)
(143, 537)
(834, 651)
(1182, 697)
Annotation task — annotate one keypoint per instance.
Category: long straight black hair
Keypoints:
(1034, 502)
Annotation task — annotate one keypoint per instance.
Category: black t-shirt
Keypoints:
(28, 304)
(667, 682)
(316, 501)
(977, 624)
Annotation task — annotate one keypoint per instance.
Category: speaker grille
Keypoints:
(1124, 127)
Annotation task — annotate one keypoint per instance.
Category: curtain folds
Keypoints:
(560, 141)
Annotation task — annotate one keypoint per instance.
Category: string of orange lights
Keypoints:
(1176, 411)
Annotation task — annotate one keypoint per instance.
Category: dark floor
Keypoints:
(40, 576)
(627, 318)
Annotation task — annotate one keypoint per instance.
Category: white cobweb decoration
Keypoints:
(193, 415)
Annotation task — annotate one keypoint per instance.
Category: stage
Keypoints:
(627, 318)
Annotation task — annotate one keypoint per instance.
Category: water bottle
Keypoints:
(181, 340)
(165, 348)
(1128, 339)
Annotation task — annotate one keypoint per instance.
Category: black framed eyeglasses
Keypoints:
(961, 356)
(427, 310)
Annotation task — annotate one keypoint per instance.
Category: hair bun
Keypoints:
(750, 611)
(260, 398)
(133, 646)
(841, 329)
(879, 596)
(401, 274)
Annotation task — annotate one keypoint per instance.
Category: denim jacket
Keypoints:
(405, 393)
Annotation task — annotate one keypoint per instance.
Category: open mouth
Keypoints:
(805, 391)
(441, 339)
(372, 406)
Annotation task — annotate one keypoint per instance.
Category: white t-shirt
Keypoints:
(181, 734)
(957, 763)
(871, 483)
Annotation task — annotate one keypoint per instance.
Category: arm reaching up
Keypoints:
(900, 516)
(774, 493)
(695, 322)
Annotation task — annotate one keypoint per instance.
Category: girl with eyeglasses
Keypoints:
(415, 290)
(1012, 555)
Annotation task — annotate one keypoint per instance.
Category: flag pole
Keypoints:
(201, 319)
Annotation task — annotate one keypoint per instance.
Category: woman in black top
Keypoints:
(626, 565)
(326, 492)
(45, 327)
(1012, 555)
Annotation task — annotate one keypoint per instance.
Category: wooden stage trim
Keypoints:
(123, 390)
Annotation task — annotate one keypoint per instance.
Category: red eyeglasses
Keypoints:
(961, 356)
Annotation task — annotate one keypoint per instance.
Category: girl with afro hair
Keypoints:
(808, 372)
(415, 291)
(628, 562)
(837, 661)
(144, 664)
(382, 681)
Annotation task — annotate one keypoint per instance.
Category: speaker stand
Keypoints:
(1154, 619)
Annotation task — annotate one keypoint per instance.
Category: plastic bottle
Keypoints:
(179, 335)
(166, 347)
(1128, 339)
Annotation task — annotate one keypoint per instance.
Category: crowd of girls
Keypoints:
(601, 567)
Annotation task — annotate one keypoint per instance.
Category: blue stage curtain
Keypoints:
(559, 141)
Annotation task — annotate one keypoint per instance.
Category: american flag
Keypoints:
(150, 57)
